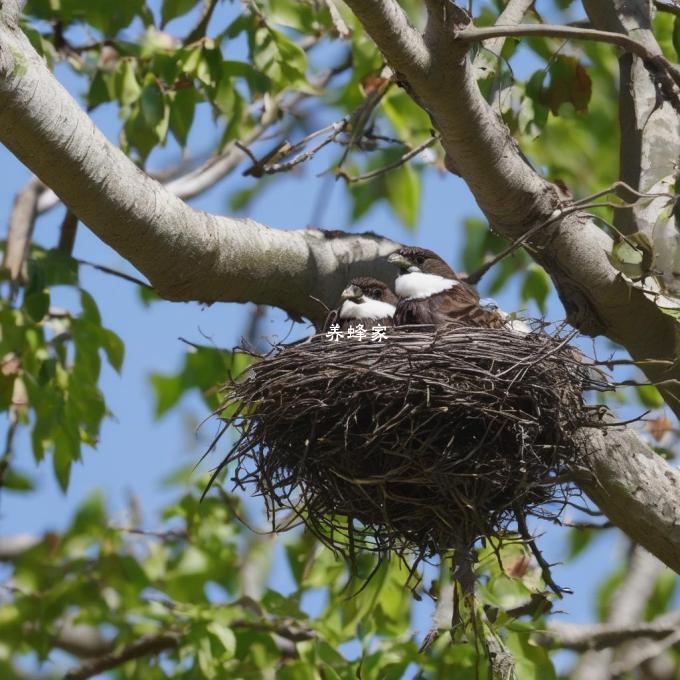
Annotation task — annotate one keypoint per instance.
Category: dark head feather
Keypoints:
(375, 289)
(427, 261)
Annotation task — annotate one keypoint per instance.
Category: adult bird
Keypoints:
(366, 301)
(431, 292)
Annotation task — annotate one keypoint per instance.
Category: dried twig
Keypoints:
(204, 19)
(391, 166)
(114, 272)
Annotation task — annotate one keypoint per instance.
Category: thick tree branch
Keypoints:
(636, 489)
(185, 253)
(626, 611)
(579, 637)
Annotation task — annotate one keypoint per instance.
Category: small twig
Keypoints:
(199, 30)
(9, 449)
(557, 31)
(114, 272)
(149, 645)
(262, 167)
(67, 233)
(588, 525)
(643, 653)
(542, 563)
(340, 173)
(171, 535)
(581, 637)
(339, 23)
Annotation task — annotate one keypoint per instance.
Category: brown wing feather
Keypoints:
(460, 304)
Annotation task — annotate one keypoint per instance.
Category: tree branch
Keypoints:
(490, 54)
(198, 180)
(670, 6)
(20, 231)
(650, 134)
(146, 646)
(580, 637)
(186, 254)
(206, 14)
(557, 31)
(636, 489)
(626, 608)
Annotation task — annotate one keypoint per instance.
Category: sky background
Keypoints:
(136, 451)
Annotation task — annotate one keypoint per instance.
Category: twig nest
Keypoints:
(420, 443)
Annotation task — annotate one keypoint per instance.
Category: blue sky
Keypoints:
(136, 451)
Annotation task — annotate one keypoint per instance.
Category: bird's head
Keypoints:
(364, 289)
(411, 259)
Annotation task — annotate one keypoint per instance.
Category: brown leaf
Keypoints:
(569, 84)
(659, 426)
(518, 567)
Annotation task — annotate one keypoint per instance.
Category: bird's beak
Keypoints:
(352, 293)
(400, 261)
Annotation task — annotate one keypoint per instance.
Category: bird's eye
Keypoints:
(419, 259)
(377, 293)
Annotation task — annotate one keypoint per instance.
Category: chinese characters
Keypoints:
(358, 332)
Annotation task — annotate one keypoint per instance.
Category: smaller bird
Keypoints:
(367, 301)
(431, 293)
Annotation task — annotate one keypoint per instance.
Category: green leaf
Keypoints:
(65, 452)
(532, 661)
(403, 188)
(152, 101)
(102, 90)
(633, 255)
(127, 87)
(182, 107)
(649, 396)
(578, 540)
(17, 482)
(257, 82)
(114, 348)
(37, 304)
(90, 311)
(676, 36)
(226, 638)
(536, 286)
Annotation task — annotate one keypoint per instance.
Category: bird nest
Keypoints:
(418, 444)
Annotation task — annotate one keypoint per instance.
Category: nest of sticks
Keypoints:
(419, 444)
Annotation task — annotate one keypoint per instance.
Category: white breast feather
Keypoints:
(417, 285)
(369, 309)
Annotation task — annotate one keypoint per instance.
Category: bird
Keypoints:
(365, 301)
(430, 292)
